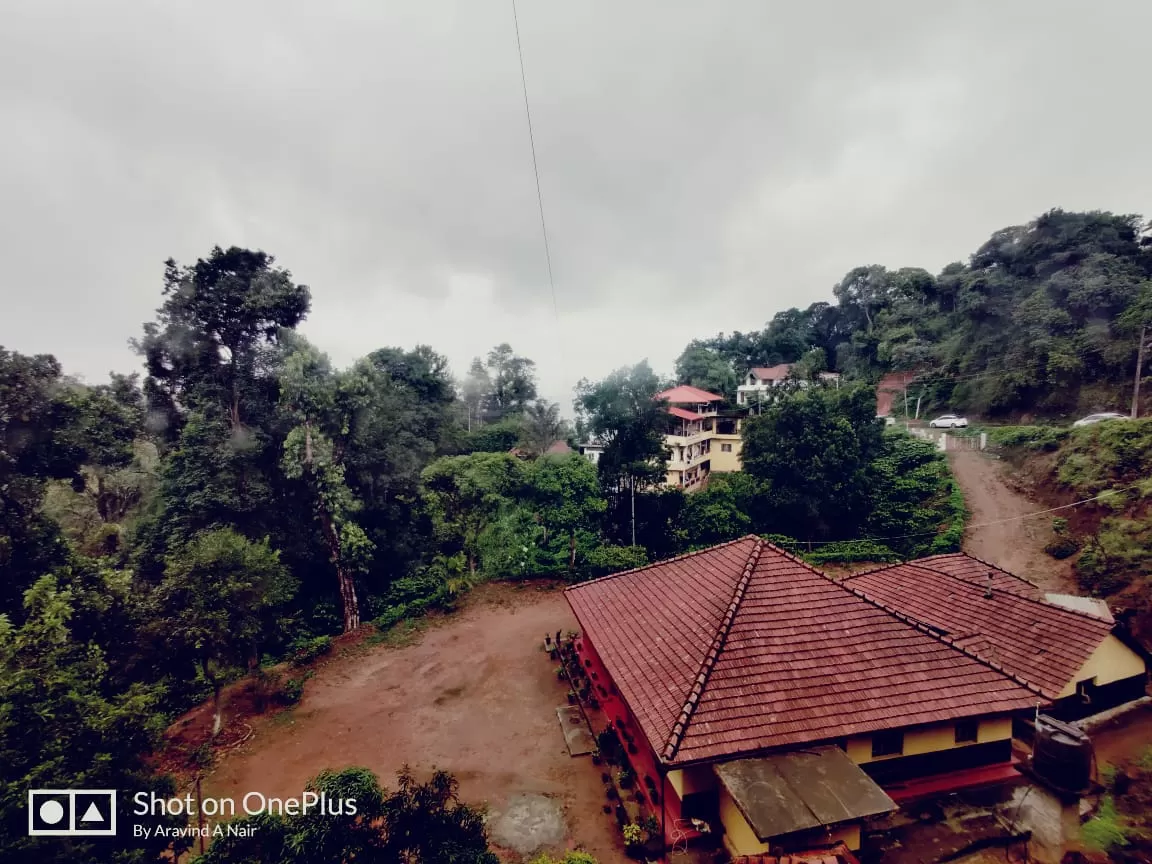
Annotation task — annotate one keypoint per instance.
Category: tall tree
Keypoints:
(206, 347)
(323, 404)
(513, 381)
(475, 392)
(623, 412)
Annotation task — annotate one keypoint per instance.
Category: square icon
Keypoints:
(72, 812)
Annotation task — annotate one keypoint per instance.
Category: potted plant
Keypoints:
(612, 793)
(625, 779)
(607, 808)
(571, 697)
(605, 777)
(633, 839)
(596, 757)
(560, 673)
(593, 703)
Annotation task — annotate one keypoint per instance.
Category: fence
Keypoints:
(946, 441)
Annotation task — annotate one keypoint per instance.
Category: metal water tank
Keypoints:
(1062, 755)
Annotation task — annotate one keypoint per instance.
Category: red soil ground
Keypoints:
(474, 695)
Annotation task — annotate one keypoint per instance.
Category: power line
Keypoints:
(1103, 494)
(535, 166)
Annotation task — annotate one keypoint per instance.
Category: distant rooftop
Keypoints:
(685, 394)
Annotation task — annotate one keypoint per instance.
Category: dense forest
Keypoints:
(1043, 319)
(245, 501)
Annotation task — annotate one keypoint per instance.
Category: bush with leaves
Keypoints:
(419, 823)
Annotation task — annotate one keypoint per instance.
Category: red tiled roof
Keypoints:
(684, 414)
(771, 373)
(1037, 643)
(742, 647)
(558, 448)
(973, 570)
(685, 394)
(838, 854)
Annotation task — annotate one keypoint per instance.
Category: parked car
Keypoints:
(1098, 418)
(949, 421)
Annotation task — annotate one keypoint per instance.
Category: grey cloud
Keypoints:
(715, 161)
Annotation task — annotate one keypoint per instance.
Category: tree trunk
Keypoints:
(348, 601)
(217, 712)
(572, 551)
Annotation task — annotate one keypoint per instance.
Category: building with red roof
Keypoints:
(783, 709)
(1083, 661)
(700, 440)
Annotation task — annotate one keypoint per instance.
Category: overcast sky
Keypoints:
(703, 164)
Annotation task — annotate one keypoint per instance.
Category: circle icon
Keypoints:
(51, 812)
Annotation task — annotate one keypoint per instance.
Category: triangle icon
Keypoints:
(92, 814)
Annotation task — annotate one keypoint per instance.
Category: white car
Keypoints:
(1097, 418)
(949, 421)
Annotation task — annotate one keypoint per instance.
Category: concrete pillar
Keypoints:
(1054, 821)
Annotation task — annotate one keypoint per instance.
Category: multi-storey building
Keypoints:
(700, 440)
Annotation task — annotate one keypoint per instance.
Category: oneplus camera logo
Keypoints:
(72, 812)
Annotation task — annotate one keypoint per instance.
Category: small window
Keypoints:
(887, 744)
(725, 448)
(966, 731)
(1085, 689)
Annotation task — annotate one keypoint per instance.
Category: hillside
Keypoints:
(1042, 319)
(1109, 540)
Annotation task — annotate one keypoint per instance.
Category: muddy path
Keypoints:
(1016, 545)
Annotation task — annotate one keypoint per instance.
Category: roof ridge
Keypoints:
(982, 561)
(680, 727)
(659, 563)
(1050, 606)
(918, 625)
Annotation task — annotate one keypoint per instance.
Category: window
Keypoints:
(887, 744)
(725, 448)
(1085, 689)
(966, 731)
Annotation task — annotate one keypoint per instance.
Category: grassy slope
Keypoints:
(1114, 535)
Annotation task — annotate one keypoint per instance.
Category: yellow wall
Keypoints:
(693, 779)
(740, 839)
(929, 739)
(738, 834)
(1111, 661)
(722, 461)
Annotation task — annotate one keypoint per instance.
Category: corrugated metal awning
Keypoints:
(800, 790)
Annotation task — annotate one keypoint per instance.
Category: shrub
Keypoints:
(292, 691)
(305, 650)
(1105, 830)
(573, 857)
(1027, 437)
(604, 560)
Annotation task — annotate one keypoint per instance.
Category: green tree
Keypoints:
(61, 726)
(218, 602)
(720, 511)
(565, 495)
(513, 382)
(322, 403)
(37, 444)
(704, 367)
(624, 413)
(419, 823)
(813, 452)
(218, 316)
(467, 494)
(540, 427)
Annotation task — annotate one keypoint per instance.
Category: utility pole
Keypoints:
(632, 483)
(1139, 370)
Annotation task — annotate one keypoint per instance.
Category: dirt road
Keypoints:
(474, 695)
(1018, 545)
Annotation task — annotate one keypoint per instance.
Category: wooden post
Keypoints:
(1139, 370)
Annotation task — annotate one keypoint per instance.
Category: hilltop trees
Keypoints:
(1034, 321)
